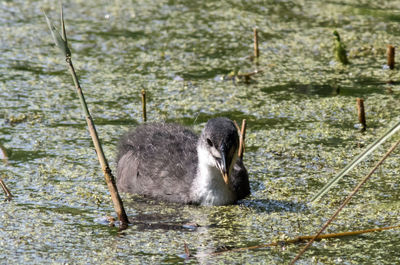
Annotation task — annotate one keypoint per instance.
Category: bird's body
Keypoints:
(171, 163)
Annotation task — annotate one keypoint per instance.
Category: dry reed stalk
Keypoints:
(256, 49)
(300, 239)
(6, 190)
(242, 139)
(361, 113)
(143, 92)
(390, 56)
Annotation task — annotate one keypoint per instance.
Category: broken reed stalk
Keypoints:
(300, 239)
(6, 190)
(361, 113)
(256, 50)
(144, 105)
(356, 189)
(61, 42)
(242, 139)
(390, 57)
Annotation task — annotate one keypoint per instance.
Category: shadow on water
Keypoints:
(364, 9)
(255, 123)
(307, 89)
(153, 215)
(16, 156)
(216, 228)
(24, 65)
(360, 86)
(114, 32)
(148, 214)
(160, 222)
(270, 206)
(202, 117)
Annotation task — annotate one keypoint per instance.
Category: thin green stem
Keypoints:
(356, 189)
(357, 160)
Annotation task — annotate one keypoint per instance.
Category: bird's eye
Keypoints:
(209, 142)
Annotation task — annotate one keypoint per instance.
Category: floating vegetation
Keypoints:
(340, 49)
(239, 77)
(301, 114)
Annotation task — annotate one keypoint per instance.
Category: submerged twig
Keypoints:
(6, 190)
(361, 113)
(144, 105)
(61, 42)
(357, 160)
(356, 189)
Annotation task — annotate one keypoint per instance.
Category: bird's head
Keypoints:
(220, 141)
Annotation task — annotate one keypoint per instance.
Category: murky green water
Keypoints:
(301, 113)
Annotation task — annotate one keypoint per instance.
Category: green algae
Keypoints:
(300, 111)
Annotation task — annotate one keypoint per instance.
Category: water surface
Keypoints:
(301, 114)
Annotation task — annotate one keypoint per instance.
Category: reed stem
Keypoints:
(242, 139)
(369, 149)
(390, 57)
(6, 190)
(61, 42)
(143, 92)
(361, 113)
(356, 189)
(110, 180)
(256, 49)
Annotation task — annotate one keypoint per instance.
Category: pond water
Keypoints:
(300, 110)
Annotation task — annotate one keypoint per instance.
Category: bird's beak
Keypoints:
(226, 161)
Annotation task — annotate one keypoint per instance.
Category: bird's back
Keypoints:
(158, 160)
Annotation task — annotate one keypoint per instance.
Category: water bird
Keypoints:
(171, 163)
